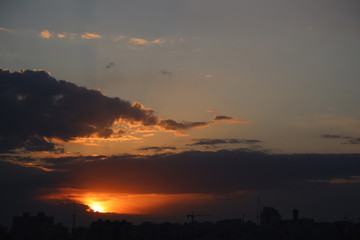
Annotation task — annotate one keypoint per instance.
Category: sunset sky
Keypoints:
(165, 107)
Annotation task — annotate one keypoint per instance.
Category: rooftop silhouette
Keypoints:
(271, 227)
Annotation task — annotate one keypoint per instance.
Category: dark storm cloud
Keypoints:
(214, 172)
(36, 109)
(349, 140)
(213, 142)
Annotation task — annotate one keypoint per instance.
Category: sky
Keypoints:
(148, 108)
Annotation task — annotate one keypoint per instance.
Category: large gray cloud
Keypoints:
(197, 171)
(215, 172)
(37, 108)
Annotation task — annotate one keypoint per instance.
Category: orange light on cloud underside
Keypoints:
(123, 203)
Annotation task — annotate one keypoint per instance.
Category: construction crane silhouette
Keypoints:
(193, 216)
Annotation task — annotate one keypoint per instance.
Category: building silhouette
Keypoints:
(295, 214)
(269, 217)
(109, 230)
(42, 227)
(38, 227)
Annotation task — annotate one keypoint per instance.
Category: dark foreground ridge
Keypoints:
(271, 227)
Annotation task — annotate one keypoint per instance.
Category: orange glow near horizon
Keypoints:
(123, 203)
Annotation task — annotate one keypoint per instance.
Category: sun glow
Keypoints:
(97, 208)
(123, 203)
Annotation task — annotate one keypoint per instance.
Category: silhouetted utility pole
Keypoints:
(74, 218)
(258, 210)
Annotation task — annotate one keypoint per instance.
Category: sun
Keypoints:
(97, 208)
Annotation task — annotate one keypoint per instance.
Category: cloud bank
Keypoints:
(234, 178)
(224, 171)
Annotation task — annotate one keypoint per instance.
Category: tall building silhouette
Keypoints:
(39, 227)
(269, 216)
(295, 214)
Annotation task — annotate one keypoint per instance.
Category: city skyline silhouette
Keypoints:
(158, 110)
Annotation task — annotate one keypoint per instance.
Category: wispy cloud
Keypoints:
(138, 41)
(119, 38)
(217, 141)
(158, 149)
(88, 35)
(166, 72)
(158, 41)
(6, 30)
(46, 34)
(66, 35)
(110, 65)
(354, 141)
(332, 136)
(349, 140)
(328, 120)
(61, 35)
(130, 42)
(348, 180)
(219, 118)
